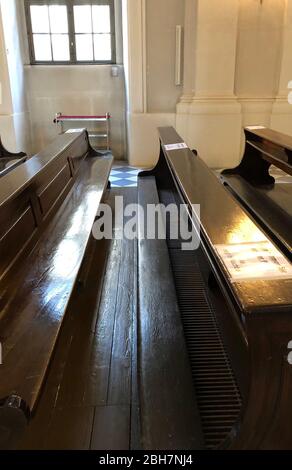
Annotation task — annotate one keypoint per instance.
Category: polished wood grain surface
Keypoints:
(272, 153)
(263, 148)
(277, 138)
(28, 210)
(15, 182)
(169, 413)
(272, 207)
(37, 292)
(89, 400)
(223, 221)
(257, 190)
(263, 307)
(47, 208)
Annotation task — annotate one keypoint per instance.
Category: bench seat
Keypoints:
(272, 208)
(258, 307)
(35, 291)
(170, 417)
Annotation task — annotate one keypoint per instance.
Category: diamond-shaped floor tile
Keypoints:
(133, 178)
(114, 178)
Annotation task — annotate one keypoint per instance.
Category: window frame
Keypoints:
(71, 31)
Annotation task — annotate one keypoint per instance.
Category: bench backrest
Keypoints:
(33, 192)
(223, 222)
(260, 307)
(273, 146)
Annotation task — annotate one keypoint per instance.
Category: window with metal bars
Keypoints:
(71, 31)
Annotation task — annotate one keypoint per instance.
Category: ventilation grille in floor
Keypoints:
(217, 393)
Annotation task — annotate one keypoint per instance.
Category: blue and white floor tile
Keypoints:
(124, 177)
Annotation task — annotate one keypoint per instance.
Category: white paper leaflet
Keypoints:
(179, 146)
(260, 260)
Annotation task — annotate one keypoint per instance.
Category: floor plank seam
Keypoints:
(97, 308)
(113, 333)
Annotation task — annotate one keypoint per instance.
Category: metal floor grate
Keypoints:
(217, 393)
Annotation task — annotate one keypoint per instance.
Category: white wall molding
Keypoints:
(14, 122)
(190, 41)
(256, 111)
(214, 105)
(186, 98)
(143, 143)
(285, 69)
(281, 115)
(209, 118)
(213, 128)
(144, 54)
(136, 52)
(281, 118)
(219, 96)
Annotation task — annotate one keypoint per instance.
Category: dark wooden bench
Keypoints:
(254, 187)
(47, 208)
(252, 318)
(9, 160)
(264, 147)
(169, 414)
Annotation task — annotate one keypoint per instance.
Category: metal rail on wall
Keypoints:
(61, 118)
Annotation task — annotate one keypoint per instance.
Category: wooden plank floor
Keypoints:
(90, 399)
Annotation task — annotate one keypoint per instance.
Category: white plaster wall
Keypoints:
(259, 48)
(14, 53)
(213, 128)
(76, 89)
(216, 32)
(6, 100)
(144, 138)
(32, 94)
(162, 16)
(14, 116)
(259, 58)
(208, 114)
(281, 118)
(237, 65)
(151, 93)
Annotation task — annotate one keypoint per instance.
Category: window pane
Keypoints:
(60, 45)
(82, 19)
(58, 19)
(42, 47)
(84, 47)
(101, 19)
(39, 19)
(102, 47)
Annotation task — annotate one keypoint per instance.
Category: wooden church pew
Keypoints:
(47, 208)
(257, 190)
(238, 331)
